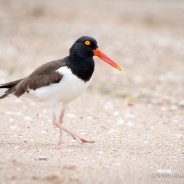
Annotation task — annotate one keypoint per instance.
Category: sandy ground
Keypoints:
(136, 116)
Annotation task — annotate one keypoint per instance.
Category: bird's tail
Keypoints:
(9, 86)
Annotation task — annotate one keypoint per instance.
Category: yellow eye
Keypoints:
(87, 42)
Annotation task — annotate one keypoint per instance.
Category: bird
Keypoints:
(61, 81)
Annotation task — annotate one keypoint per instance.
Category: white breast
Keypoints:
(69, 88)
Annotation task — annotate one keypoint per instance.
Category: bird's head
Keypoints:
(87, 46)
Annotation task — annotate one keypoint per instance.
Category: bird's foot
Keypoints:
(60, 143)
(82, 140)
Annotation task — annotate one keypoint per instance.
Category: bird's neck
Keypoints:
(82, 67)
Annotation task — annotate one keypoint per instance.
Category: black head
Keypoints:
(84, 46)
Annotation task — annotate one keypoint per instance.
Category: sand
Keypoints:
(136, 116)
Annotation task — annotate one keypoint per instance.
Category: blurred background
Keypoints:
(145, 37)
(135, 116)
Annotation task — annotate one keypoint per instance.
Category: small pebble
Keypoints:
(179, 135)
(129, 115)
(173, 108)
(116, 164)
(112, 131)
(13, 127)
(129, 124)
(116, 113)
(13, 113)
(100, 152)
(83, 133)
(42, 158)
(108, 106)
(163, 108)
(181, 103)
(11, 120)
(121, 121)
(28, 118)
(71, 115)
(43, 131)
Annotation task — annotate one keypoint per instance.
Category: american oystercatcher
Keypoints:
(61, 80)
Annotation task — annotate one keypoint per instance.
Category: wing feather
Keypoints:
(43, 76)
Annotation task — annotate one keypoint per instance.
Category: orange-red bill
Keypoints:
(101, 55)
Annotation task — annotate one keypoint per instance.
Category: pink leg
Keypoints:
(61, 128)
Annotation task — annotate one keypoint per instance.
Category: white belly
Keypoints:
(69, 88)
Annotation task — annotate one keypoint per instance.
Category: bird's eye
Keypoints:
(87, 42)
